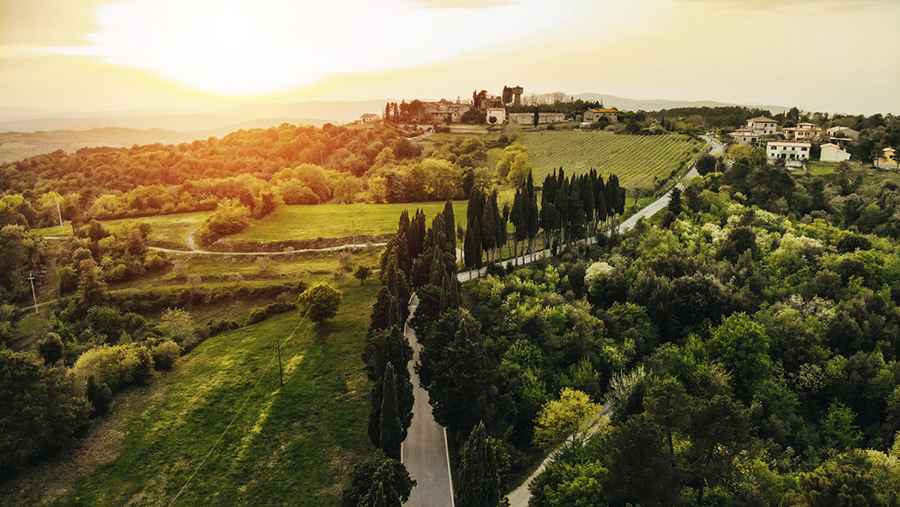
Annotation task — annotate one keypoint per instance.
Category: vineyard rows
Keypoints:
(637, 160)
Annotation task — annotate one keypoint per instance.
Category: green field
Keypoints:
(165, 230)
(638, 161)
(338, 220)
(287, 445)
(300, 222)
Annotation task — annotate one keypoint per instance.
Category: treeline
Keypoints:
(157, 179)
(859, 199)
(571, 208)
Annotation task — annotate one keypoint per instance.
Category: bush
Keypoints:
(320, 302)
(51, 348)
(164, 354)
(220, 326)
(116, 366)
(178, 326)
(100, 396)
(262, 313)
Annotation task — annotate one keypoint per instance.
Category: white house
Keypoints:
(762, 125)
(369, 118)
(794, 153)
(594, 115)
(833, 153)
(496, 116)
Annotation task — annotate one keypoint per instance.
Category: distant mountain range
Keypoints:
(28, 132)
(627, 104)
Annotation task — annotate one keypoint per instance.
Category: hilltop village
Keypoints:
(510, 107)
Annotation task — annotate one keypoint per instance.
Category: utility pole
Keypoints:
(280, 368)
(33, 293)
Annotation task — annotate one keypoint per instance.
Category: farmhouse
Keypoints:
(843, 132)
(762, 125)
(794, 153)
(745, 136)
(444, 111)
(833, 153)
(594, 115)
(369, 118)
(543, 118)
(496, 116)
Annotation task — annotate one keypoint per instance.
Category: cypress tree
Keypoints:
(483, 462)
(531, 209)
(391, 431)
(488, 227)
(449, 227)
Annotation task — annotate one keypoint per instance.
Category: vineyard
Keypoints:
(639, 161)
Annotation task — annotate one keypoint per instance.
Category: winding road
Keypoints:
(425, 451)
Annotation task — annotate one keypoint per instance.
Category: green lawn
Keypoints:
(338, 220)
(638, 161)
(288, 445)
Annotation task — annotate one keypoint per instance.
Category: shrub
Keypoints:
(116, 366)
(178, 325)
(164, 354)
(320, 302)
(264, 312)
(99, 394)
(51, 348)
(220, 326)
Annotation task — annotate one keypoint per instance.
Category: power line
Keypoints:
(233, 419)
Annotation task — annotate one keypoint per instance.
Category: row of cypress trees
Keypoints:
(571, 208)
(417, 258)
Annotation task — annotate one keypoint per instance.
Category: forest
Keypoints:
(740, 349)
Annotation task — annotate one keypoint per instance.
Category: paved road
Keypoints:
(424, 452)
(519, 497)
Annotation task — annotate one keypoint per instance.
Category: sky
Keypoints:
(70, 56)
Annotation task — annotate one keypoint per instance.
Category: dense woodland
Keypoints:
(744, 344)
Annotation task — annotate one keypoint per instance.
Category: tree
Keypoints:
(320, 302)
(43, 410)
(380, 482)
(742, 346)
(675, 202)
(483, 463)
(570, 415)
(839, 428)
(707, 164)
(362, 273)
(392, 431)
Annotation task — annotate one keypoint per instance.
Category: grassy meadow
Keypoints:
(638, 161)
(338, 220)
(291, 444)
